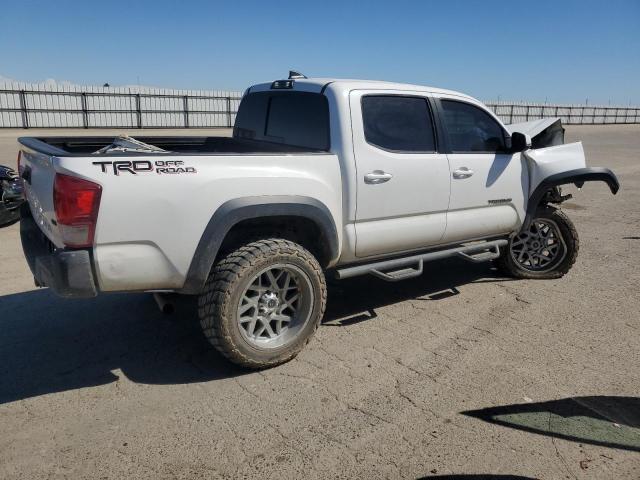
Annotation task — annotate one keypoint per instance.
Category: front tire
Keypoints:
(263, 302)
(547, 249)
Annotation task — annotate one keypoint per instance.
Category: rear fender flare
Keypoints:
(578, 177)
(234, 211)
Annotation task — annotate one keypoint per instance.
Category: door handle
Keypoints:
(462, 172)
(377, 176)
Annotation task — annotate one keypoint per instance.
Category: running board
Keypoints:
(409, 267)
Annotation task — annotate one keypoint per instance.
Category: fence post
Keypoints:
(528, 106)
(85, 114)
(23, 109)
(229, 112)
(185, 101)
(138, 111)
(511, 113)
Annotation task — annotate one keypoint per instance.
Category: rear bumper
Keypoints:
(67, 272)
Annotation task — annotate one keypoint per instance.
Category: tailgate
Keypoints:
(37, 172)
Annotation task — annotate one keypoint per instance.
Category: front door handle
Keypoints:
(462, 172)
(377, 176)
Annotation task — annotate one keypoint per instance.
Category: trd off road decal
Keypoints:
(161, 167)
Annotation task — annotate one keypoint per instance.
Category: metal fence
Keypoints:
(510, 112)
(44, 106)
(71, 106)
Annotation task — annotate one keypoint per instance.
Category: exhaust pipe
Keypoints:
(165, 303)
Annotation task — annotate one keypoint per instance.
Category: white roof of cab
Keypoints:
(339, 85)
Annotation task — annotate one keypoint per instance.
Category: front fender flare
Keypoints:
(578, 177)
(234, 211)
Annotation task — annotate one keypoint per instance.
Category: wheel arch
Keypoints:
(578, 177)
(259, 208)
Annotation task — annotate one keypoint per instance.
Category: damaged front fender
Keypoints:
(581, 175)
(552, 163)
(578, 177)
(545, 162)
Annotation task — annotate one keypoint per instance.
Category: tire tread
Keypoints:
(218, 290)
(506, 265)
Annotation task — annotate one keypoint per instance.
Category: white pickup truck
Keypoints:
(321, 176)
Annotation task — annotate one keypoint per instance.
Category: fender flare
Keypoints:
(234, 211)
(578, 177)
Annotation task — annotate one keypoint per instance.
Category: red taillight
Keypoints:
(76, 202)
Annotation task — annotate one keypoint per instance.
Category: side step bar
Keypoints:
(409, 267)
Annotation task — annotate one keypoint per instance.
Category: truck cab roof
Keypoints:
(342, 85)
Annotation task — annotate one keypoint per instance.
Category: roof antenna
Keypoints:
(293, 75)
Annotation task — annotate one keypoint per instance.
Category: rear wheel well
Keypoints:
(300, 230)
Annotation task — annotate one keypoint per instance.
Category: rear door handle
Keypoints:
(377, 176)
(462, 172)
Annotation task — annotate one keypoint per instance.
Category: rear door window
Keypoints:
(398, 123)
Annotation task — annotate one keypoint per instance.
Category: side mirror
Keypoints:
(520, 142)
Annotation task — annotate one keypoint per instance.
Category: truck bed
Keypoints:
(185, 145)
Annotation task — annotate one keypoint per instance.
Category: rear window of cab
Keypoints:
(299, 119)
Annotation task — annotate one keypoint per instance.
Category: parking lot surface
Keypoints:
(459, 371)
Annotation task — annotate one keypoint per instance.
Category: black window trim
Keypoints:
(445, 132)
(430, 111)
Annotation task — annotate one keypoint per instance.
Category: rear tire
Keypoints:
(548, 249)
(263, 302)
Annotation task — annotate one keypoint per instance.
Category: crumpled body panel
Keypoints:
(544, 162)
(544, 132)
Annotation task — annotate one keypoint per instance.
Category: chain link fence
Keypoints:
(56, 106)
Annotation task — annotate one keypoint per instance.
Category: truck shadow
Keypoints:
(52, 345)
(355, 300)
(606, 421)
(477, 476)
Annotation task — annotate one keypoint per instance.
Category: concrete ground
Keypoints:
(457, 372)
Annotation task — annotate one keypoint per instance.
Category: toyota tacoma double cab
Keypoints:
(321, 177)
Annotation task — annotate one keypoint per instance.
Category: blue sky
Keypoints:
(561, 51)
